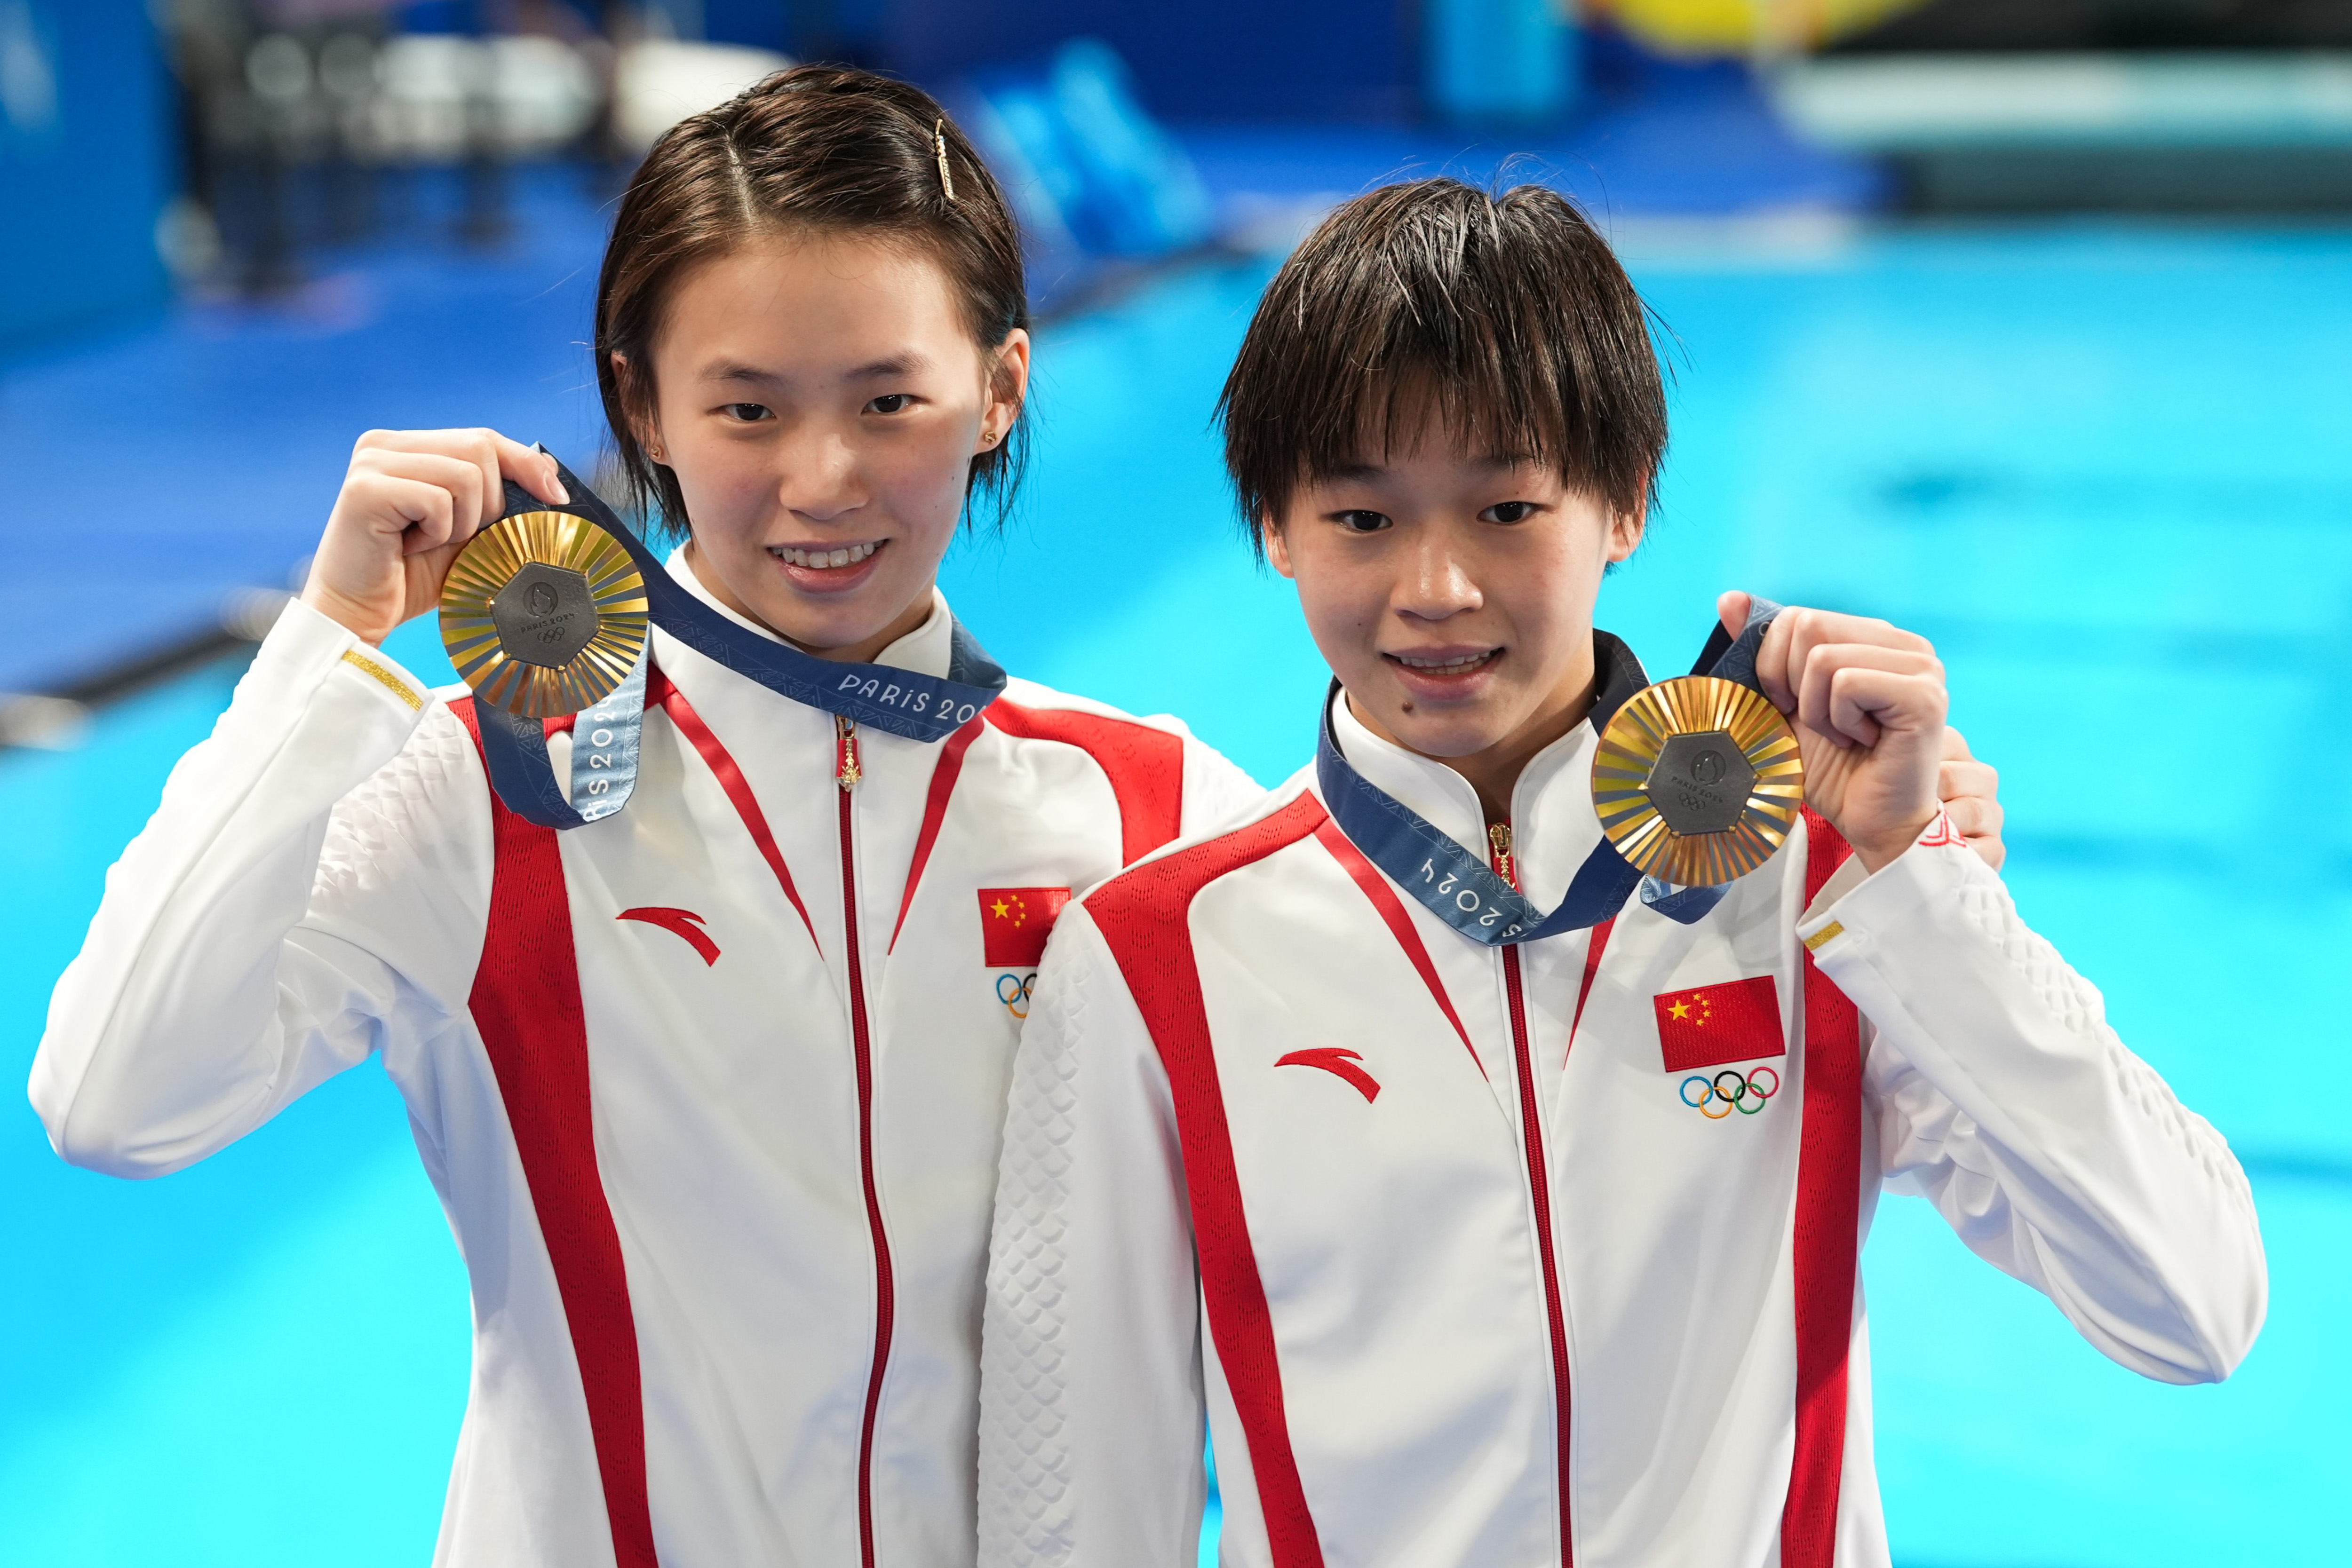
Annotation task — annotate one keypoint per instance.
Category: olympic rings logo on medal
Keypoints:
(1746, 1093)
(1013, 990)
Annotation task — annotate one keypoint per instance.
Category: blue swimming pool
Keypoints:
(2108, 470)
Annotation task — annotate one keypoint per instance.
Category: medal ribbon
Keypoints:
(1458, 886)
(902, 702)
(605, 748)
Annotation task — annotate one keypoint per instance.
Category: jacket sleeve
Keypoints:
(1091, 1414)
(312, 887)
(2004, 1096)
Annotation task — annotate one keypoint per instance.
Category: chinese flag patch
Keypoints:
(1708, 1026)
(1015, 923)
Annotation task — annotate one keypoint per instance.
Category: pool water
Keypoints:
(2108, 470)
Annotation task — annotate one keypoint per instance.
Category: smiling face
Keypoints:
(1453, 597)
(820, 399)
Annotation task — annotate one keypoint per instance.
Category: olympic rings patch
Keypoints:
(1013, 990)
(1746, 1093)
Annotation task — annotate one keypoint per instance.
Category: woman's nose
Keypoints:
(1436, 582)
(820, 478)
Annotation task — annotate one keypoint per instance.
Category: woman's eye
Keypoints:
(890, 403)
(1360, 522)
(1508, 512)
(746, 413)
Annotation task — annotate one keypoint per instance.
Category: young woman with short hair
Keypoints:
(1491, 1213)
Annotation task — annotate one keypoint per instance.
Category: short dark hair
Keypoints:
(818, 148)
(1506, 314)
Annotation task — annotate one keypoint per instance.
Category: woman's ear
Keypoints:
(644, 424)
(1625, 528)
(1277, 548)
(1008, 386)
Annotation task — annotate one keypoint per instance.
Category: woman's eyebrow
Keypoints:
(904, 362)
(730, 370)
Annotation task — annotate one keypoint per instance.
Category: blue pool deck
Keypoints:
(2107, 469)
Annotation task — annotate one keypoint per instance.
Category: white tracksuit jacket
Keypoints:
(1459, 1278)
(711, 1090)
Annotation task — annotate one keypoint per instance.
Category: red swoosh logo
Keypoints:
(685, 922)
(1340, 1062)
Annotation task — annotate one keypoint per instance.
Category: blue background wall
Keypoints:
(86, 164)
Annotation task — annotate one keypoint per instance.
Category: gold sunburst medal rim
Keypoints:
(490, 561)
(1695, 705)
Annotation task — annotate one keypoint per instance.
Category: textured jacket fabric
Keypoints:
(1451, 1249)
(711, 1090)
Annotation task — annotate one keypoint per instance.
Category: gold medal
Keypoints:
(543, 614)
(1697, 780)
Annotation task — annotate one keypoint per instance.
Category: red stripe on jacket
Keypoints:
(526, 1003)
(944, 773)
(1145, 766)
(1392, 909)
(1144, 916)
(721, 763)
(1829, 1214)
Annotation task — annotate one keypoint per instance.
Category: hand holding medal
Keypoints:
(1867, 704)
(409, 503)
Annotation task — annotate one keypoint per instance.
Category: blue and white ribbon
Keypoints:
(604, 747)
(901, 702)
(1459, 887)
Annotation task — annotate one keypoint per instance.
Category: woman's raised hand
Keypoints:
(409, 503)
(1867, 701)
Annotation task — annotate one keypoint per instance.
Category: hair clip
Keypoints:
(940, 145)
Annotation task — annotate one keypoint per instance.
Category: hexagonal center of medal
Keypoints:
(544, 614)
(1700, 783)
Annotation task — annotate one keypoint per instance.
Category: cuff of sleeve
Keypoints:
(307, 648)
(1857, 905)
(311, 666)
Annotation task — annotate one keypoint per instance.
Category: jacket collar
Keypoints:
(1553, 825)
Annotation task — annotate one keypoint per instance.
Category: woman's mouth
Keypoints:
(1447, 675)
(830, 569)
(1444, 664)
(840, 556)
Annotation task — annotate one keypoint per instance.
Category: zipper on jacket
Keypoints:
(1498, 838)
(846, 774)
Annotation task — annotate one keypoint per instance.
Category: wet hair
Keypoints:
(818, 150)
(1506, 317)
